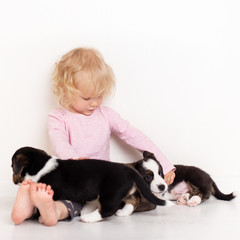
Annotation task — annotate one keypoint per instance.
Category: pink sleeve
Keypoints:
(136, 138)
(58, 136)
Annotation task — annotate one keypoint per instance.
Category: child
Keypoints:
(81, 128)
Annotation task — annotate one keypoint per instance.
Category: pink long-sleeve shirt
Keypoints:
(75, 135)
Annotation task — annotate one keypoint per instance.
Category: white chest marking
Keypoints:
(50, 165)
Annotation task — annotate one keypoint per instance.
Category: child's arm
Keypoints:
(138, 140)
(58, 136)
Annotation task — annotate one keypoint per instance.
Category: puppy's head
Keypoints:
(152, 172)
(24, 161)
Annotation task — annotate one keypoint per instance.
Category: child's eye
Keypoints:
(86, 99)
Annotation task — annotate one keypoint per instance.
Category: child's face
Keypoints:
(85, 104)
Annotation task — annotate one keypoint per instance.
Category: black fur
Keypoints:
(83, 180)
(199, 182)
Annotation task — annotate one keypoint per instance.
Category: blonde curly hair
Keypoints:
(82, 68)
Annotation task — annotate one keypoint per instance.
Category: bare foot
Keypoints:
(23, 207)
(42, 198)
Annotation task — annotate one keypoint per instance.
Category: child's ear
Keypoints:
(147, 154)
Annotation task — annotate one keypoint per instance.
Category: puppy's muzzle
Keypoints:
(17, 179)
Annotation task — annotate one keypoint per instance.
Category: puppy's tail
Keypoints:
(221, 196)
(146, 192)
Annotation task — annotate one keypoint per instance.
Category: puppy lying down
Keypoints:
(191, 186)
(82, 180)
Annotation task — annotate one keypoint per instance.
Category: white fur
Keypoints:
(165, 196)
(151, 165)
(50, 165)
(127, 210)
(236, 193)
(92, 217)
(179, 190)
(90, 207)
(187, 196)
(194, 201)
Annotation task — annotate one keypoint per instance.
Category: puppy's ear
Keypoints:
(147, 154)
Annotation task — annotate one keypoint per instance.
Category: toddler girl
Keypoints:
(81, 127)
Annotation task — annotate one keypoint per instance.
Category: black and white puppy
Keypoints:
(82, 180)
(152, 173)
(191, 186)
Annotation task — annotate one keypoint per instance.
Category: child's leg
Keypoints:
(23, 207)
(51, 212)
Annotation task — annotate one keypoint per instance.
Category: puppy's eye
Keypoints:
(161, 174)
(149, 178)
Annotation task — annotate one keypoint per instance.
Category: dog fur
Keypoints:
(195, 184)
(82, 180)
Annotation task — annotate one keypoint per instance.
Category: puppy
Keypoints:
(82, 180)
(191, 186)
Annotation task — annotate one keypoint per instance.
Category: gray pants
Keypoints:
(74, 209)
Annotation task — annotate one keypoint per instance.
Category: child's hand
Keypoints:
(169, 177)
(81, 158)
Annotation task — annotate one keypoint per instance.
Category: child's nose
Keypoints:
(93, 103)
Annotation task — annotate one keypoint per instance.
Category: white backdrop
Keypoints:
(176, 65)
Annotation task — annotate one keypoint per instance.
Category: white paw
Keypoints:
(90, 207)
(91, 217)
(127, 210)
(194, 201)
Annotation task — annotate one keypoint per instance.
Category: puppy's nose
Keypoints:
(161, 187)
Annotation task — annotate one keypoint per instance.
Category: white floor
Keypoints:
(212, 219)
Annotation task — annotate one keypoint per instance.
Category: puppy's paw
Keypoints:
(194, 201)
(127, 210)
(91, 217)
(89, 207)
(181, 200)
